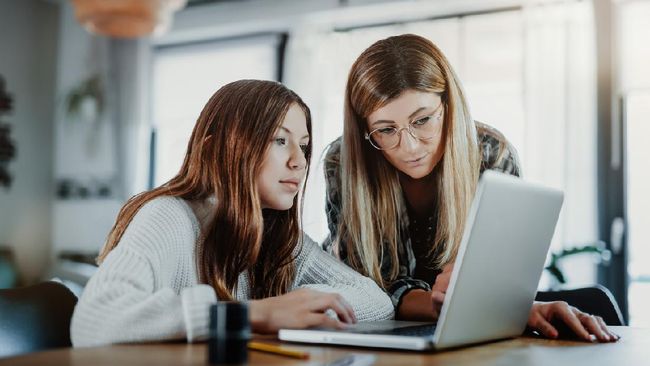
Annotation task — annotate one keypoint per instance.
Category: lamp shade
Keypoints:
(126, 18)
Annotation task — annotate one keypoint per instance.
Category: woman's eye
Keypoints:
(387, 130)
(280, 141)
(422, 121)
(304, 148)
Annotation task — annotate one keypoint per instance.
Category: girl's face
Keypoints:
(285, 165)
(412, 113)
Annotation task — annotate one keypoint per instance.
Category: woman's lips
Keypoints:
(417, 161)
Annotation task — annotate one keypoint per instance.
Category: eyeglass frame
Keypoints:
(407, 128)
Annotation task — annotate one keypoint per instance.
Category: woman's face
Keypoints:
(423, 112)
(284, 166)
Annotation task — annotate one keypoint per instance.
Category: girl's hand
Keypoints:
(299, 309)
(585, 326)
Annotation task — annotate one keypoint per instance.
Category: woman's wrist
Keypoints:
(416, 305)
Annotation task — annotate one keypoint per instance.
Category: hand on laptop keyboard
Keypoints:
(442, 280)
(300, 309)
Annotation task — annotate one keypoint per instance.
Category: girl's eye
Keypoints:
(304, 149)
(281, 141)
(422, 121)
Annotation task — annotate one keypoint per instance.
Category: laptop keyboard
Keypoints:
(410, 331)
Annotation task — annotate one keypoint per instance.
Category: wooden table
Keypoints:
(632, 349)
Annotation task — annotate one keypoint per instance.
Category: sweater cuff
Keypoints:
(196, 302)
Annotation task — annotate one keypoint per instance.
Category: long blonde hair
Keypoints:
(224, 157)
(372, 199)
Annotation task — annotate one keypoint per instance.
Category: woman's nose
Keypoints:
(407, 141)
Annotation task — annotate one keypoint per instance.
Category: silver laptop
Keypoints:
(493, 283)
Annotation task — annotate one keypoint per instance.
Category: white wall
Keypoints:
(28, 41)
(85, 151)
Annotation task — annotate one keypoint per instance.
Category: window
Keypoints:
(520, 77)
(635, 91)
(184, 78)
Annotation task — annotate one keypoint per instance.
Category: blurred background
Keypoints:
(98, 99)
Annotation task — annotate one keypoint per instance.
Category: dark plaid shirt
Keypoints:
(496, 154)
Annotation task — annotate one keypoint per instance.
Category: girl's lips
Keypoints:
(294, 184)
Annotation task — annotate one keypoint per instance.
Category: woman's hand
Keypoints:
(426, 305)
(420, 305)
(584, 326)
(300, 309)
(442, 280)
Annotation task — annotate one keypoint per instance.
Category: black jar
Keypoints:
(230, 332)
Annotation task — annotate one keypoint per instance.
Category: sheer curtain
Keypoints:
(529, 72)
(186, 76)
(634, 87)
(560, 104)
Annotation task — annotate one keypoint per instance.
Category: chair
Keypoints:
(35, 318)
(596, 300)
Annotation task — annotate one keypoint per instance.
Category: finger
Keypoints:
(442, 283)
(566, 314)
(448, 267)
(352, 318)
(331, 301)
(589, 322)
(541, 325)
(350, 309)
(593, 326)
(615, 337)
(438, 297)
(323, 320)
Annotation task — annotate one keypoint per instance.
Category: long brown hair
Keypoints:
(372, 199)
(224, 157)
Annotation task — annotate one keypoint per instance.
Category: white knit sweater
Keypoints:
(147, 287)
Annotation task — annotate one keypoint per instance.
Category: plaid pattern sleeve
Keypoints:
(496, 152)
(332, 170)
(403, 286)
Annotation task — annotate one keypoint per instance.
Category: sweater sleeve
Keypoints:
(320, 271)
(131, 297)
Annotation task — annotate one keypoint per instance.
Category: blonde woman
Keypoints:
(402, 177)
(226, 227)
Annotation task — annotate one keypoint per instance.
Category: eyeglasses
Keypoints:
(386, 138)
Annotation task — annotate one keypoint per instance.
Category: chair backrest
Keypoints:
(596, 300)
(35, 318)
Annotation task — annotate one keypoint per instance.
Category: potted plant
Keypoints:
(86, 100)
(598, 249)
(7, 146)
